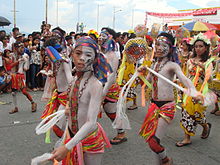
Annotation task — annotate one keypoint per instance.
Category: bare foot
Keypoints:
(184, 142)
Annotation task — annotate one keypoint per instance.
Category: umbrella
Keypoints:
(4, 21)
(212, 36)
(199, 26)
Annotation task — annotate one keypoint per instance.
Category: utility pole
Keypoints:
(14, 11)
(114, 11)
(57, 12)
(97, 28)
(132, 19)
(79, 11)
(46, 11)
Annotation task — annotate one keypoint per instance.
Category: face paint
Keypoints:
(162, 47)
(83, 57)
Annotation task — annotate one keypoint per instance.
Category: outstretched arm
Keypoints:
(187, 82)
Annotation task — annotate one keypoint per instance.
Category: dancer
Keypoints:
(162, 108)
(62, 72)
(83, 108)
(18, 78)
(111, 88)
(199, 71)
(184, 53)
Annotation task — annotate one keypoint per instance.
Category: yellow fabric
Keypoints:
(190, 107)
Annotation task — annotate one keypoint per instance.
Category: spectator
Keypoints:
(5, 80)
(35, 64)
(8, 60)
(5, 43)
(15, 31)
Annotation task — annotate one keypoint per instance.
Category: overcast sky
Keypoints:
(30, 13)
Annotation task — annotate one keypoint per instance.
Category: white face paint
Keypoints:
(162, 49)
(102, 38)
(83, 57)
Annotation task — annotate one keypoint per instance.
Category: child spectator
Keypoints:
(8, 60)
(5, 80)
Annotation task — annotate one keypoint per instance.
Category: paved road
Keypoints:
(19, 143)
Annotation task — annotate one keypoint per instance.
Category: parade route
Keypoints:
(19, 143)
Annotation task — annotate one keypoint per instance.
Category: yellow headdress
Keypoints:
(93, 32)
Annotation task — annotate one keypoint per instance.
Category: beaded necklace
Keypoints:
(160, 67)
(157, 68)
(84, 85)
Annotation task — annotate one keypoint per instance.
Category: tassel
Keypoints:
(47, 138)
(143, 99)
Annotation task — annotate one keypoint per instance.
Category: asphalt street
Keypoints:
(19, 143)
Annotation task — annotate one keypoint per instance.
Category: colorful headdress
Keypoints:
(60, 33)
(187, 40)
(201, 37)
(94, 33)
(109, 43)
(130, 31)
(101, 66)
(140, 30)
(135, 49)
(166, 37)
(88, 42)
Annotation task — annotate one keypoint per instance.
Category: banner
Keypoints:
(197, 12)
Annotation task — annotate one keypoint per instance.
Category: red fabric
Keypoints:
(18, 81)
(150, 123)
(111, 115)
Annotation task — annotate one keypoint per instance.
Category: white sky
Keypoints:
(32, 12)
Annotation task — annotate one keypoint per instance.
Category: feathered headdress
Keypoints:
(202, 37)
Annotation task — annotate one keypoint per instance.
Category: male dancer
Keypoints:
(18, 78)
(87, 136)
(63, 75)
(108, 47)
(162, 108)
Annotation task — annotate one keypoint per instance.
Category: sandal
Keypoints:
(117, 140)
(205, 133)
(214, 111)
(13, 110)
(133, 107)
(217, 113)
